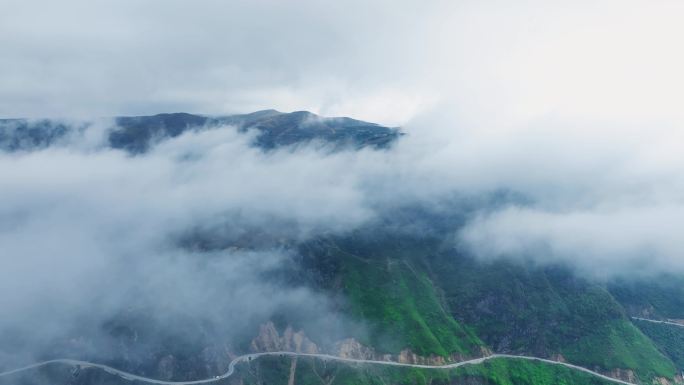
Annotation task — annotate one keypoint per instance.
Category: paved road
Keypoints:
(249, 357)
(658, 322)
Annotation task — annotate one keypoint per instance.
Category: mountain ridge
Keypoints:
(137, 134)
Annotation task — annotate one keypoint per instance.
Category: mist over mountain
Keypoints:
(359, 192)
(137, 134)
(165, 245)
(124, 241)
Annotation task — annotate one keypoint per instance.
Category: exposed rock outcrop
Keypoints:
(166, 366)
(623, 374)
(678, 379)
(351, 348)
(558, 357)
(270, 340)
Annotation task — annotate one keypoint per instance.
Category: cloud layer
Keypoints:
(91, 234)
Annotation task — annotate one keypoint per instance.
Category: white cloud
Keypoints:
(89, 233)
(601, 243)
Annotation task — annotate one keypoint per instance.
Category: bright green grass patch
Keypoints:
(402, 309)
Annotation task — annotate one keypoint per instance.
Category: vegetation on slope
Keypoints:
(668, 338)
(659, 297)
(618, 344)
(403, 310)
(546, 312)
(403, 288)
(397, 303)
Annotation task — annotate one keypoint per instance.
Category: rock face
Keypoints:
(166, 366)
(269, 340)
(406, 356)
(409, 357)
(351, 348)
(664, 381)
(623, 374)
(558, 357)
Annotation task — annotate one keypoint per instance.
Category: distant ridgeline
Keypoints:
(136, 134)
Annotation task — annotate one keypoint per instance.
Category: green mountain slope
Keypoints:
(657, 297)
(397, 302)
(668, 338)
(403, 309)
(547, 312)
(414, 294)
(419, 295)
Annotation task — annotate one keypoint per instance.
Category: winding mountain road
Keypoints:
(249, 357)
(658, 322)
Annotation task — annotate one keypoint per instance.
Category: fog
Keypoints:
(91, 234)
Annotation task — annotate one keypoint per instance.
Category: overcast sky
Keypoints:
(381, 60)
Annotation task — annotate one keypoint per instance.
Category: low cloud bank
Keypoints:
(627, 241)
(192, 230)
(92, 235)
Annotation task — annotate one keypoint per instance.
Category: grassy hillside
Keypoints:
(413, 293)
(619, 344)
(668, 338)
(546, 312)
(657, 297)
(403, 309)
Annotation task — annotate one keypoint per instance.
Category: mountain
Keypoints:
(136, 134)
(396, 289)
(423, 302)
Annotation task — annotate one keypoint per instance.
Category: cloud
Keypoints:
(629, 241)
(212, 57)
(91, 235)
(384, 61)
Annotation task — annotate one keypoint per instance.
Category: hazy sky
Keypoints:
(381, 60)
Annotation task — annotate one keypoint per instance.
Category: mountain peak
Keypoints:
(136, 134)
